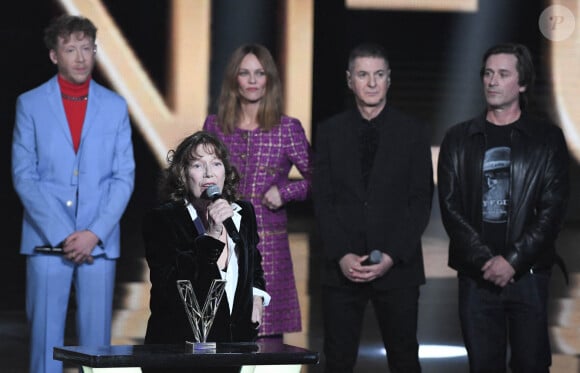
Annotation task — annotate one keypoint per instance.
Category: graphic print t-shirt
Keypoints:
(496, 186)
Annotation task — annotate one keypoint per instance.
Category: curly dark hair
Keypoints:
(66, 25)
(173, 182)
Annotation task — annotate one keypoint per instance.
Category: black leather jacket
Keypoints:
(539, 191)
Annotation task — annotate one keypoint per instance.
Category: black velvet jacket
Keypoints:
(538, 194)
(171, 246)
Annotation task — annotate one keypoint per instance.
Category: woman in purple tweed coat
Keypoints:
(264, 144)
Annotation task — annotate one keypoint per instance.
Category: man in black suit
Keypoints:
(372, 190)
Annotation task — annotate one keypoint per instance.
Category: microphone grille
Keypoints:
(213, 190)
(375, 256)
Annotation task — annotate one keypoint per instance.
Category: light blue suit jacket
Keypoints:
(63, 191)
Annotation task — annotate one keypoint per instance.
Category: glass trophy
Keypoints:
(201, 319)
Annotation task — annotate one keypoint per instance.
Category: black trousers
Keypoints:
(491, 316)
(396, 311)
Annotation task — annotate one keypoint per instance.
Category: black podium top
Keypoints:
(226, 354)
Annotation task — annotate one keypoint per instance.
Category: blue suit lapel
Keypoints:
(57, 109)
(93, 106)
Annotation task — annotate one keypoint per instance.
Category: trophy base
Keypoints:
(200, 346)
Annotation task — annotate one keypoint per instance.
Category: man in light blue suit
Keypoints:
(73, 169)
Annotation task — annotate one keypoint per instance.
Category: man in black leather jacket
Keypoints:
(503, 187)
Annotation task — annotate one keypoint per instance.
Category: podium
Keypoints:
(130, 358)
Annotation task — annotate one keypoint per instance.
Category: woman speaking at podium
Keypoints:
(189, 237)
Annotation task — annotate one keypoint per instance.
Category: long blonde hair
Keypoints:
(229, 108)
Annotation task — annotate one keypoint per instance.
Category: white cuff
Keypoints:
(263, 294)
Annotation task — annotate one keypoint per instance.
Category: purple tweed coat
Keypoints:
(264, 159)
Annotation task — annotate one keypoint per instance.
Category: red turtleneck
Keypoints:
(74, 99)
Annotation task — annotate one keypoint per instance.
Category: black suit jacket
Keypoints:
(172, 246)
(391, 213)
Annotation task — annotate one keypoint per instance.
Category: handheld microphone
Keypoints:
(374, 257)
(213, 193)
